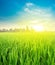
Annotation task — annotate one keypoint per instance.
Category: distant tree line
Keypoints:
(15, 30)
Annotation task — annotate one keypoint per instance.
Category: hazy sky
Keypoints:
(20, 12)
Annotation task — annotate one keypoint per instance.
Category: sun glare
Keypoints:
(38, 28)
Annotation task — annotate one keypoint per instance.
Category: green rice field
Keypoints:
(27, 48)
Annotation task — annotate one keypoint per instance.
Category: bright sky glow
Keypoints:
(38, 28)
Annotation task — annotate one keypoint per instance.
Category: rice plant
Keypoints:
(27, 48)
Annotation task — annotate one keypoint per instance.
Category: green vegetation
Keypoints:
(27, 48)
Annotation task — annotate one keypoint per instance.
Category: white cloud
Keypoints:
(37, 11)
(27, 10)
(29, 4)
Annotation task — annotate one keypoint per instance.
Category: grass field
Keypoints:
(27, 48)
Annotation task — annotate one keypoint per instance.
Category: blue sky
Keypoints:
(27, 11)
(11, 7)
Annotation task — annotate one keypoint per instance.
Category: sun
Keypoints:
(38, 28)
